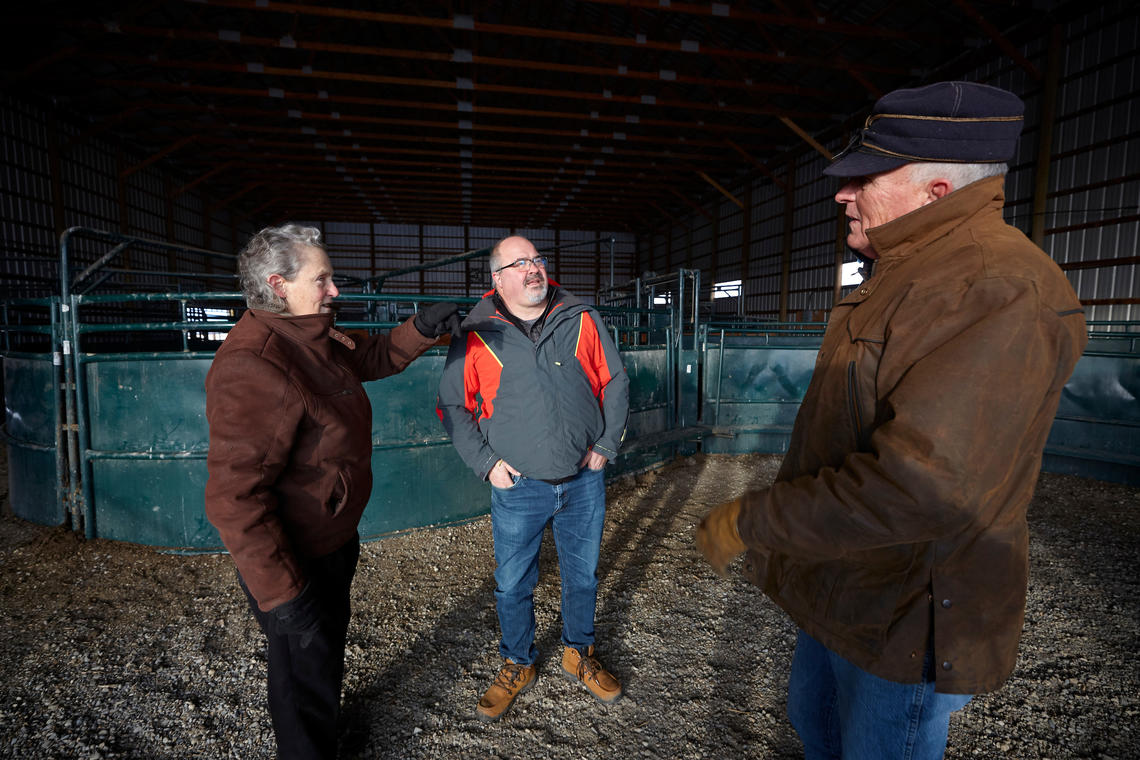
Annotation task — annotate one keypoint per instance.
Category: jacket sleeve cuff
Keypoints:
(488, 465)
(605, 451)
(749, 523)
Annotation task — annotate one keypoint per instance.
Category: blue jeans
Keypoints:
(841, 711)
(576, 511)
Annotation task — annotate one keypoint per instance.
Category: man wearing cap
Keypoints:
(895, 534)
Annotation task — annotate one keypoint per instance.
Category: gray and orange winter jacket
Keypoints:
(538, 405)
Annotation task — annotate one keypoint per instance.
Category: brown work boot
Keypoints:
(512, 680)
(589, 671)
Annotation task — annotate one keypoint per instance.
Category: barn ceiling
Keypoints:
(577, 114)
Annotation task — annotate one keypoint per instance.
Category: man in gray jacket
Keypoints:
(535, 399)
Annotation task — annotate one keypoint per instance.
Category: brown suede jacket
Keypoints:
(290, 459)
(899, 511)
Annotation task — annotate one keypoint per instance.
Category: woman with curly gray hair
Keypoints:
(290, 467)
(273, 251)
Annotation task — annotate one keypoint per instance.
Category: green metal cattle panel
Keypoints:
(31, 485)
(143, 403)
(30, 425)
(688, 386)
(648, 371)
(30, 402)
(153, 501)
(418, 478)
(403, 405)
(1096, 432)
(145, 452)
(146, 440)
(417, 485)
(752, 393)
(650, 410)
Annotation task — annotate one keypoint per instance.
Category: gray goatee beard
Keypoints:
(535, 298)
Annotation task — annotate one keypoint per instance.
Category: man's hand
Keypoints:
(300, 616)
(718, 538)
(502, 474)
(593, 460)
(438, 319)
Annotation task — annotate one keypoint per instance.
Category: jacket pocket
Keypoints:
(337, 500)
(863, 601)
(856, 601)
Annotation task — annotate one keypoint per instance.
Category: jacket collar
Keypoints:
(912, 232)
(311, 330)
(485, 316)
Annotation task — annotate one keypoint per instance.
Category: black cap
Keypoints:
(957, 122)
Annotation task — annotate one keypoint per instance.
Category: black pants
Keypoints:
(304, 684)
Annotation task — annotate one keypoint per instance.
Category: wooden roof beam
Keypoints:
(314, 46)
(719, 187)
(758, 164)
(194, 183)
(998, 39)
(157, 156)
(665, 213)
(806, 137)
(541, 33)
(254, 93)
(448, 126)
(689, 202)
(449, 85)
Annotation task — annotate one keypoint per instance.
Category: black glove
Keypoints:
(438, 319)
(300, 615)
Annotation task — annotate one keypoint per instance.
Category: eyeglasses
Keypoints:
(520, 264)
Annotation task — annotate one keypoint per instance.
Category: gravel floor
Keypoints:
(115, 651)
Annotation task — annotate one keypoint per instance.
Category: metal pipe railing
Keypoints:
(74, 487)
(125, 242)
(378, 280)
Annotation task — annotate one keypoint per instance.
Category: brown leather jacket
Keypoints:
(900, 506)
(290, 459)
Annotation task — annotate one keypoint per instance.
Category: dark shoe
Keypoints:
(512, 680)
(585, 668)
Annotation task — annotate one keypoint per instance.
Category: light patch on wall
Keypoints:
(208, 314)
(726, 289)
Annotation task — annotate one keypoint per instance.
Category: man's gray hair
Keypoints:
(493, 260)
(959, 175)
(273, 250)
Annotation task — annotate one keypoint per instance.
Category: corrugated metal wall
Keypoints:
(56, 175)
(1094, 205)
(99, 187)
(579, 260)
(1092, 215)
(762, 287)
(27, 225)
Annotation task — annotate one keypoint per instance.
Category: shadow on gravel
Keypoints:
(755, 640)
(373, 717)
(723, 635)
(751, 659)
(631, 548)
